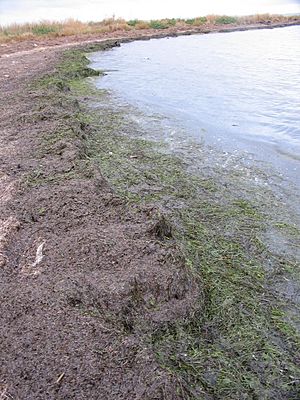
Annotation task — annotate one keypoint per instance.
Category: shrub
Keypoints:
(190, 21)
(171, 22)
(200, 21)
(158, 24)
(43, 29)
(225, 19)
(133, 22)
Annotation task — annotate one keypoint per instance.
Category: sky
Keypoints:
(87, 10)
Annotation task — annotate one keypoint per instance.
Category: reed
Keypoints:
(71, 27)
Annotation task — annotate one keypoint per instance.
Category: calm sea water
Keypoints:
(236, 91)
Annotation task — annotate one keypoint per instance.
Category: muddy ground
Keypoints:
(78, 267)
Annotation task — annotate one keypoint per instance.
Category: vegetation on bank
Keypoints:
(48, 29)
(242, 340)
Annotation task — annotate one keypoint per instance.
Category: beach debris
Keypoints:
(39, 255)
(59, 379)
(31, 269)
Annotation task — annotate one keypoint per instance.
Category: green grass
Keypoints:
(43, 29)
(132, 22)
(156, 24)
(226, 20)
(196, 21)
(240, 342)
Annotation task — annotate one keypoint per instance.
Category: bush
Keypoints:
(171, 22)
(43, 29)
(226, 20)
(132, 22)
(157, 24)
(190, 21)
(196, 21)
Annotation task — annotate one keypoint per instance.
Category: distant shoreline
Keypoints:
(43, 43)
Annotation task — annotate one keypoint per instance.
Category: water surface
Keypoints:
(237, 91)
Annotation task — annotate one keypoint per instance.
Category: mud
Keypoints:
(84, 278)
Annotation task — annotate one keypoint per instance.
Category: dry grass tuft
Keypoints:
(71, 27)
(266, 18)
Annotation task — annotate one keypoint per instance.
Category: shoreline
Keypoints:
(265, 154)
(40, 44)
(118, 266)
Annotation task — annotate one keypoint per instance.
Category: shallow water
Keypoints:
(239, 91)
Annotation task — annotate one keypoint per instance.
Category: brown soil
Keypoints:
(85, 280)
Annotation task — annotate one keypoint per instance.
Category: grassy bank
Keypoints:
(241, 341)
(49, 29)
